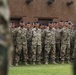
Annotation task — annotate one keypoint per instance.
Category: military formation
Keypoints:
(40, 43)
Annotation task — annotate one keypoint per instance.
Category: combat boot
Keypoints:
(46, 63)
(62, 62)
(53, 62)
(39, 63)
(16, 64)
(26, 63)
(68, 62)
(34, 63)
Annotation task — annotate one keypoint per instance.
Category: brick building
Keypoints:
(43, 10)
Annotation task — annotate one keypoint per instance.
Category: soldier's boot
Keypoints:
(57, 61)
(62, 62)
(53, 62)
(39, 63)
(31, 62)
(26, 63)
(16, 64)
(46, 62)
(68, 61)
(34, 63)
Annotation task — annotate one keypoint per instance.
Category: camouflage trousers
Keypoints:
(36, 53)
(50, 48)
(42, 52)
(19, 48)
(65, 51)
(29, 44)
(72, 50)
(58, 48)
(12, 58)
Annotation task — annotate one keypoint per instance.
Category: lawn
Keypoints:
(42, 70)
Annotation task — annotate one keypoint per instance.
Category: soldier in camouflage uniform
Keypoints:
(74, 48)
(29, 41)
(58, 41)
(5, 40)
(50, 44)
(21, 43)
(42, 40)
(65, 43)
(36, 44)
(12, 29)
(72, 39)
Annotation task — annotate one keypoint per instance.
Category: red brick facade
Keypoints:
(40, 10)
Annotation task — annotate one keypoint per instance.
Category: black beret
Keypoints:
(50, 22)
(34, 23)
(21, 21)
(45, 24)
(66, 21)
(41, 23)
(61, 20)
(55, 22)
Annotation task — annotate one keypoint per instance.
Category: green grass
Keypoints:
(42, 70)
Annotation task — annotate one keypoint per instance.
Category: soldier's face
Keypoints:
(56, 25)
(50, 25)
(42, 26)
(33, 25)
(21, 24)
(28, 25)
(37, 24)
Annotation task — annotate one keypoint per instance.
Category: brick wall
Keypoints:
(58, 10)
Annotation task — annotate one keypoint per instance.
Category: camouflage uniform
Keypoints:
(58, 43)
(14, 44)
(42, 43)
(74, 51)
(36, 45)
(65, 44)
(5, 40)
(72, 39)
(29, 44)
(21, 44)
(50, 45)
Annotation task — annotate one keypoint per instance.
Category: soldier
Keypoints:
(42, 39)
(65, 43)
(12, 29)
(72, 39)
(36, 44)
(50, 44)
(21, 43)
(58, 41)
(29, 41)
(74, 42)
(33, 25)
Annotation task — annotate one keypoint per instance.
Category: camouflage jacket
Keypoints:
(36, 37)
(49, 36)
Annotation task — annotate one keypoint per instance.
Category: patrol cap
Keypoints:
(21, 21)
